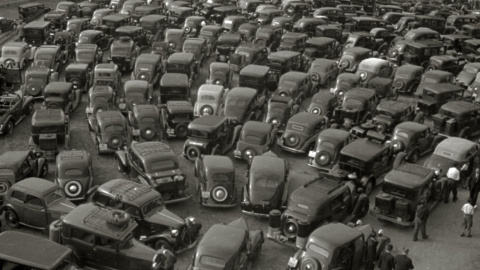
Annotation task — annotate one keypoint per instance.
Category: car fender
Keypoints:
(308, 142)
(121, 158)
(9, 117)
(40, 163)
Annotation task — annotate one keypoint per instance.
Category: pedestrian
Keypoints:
(21, 32)
(453, 175)
(382, 240)
(464, 176)
(386, 260)
(420, 221)
(165, 259)
(402, 261)
(371, 251)
(468, 210)
(475, 186)
(439, 183)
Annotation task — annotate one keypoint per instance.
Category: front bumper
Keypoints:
(398, 221)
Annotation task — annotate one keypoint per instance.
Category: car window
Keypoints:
(18, 195)
(33, 201)
(132, 210)
(73, 172)
(103, 200)
(336, 203)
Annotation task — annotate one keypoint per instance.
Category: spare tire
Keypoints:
(115, 141)
(118, 217)
(181, 130)
(192, 153)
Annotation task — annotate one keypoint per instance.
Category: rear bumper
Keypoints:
(391, 219)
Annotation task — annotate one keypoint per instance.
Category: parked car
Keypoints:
(73, 173)
(176, 116)
(97, 37)
(321, 200)
(301, 131)
(351, 58)
(146, 207)
(37, 33)
(209, 100)
(34, 202)
(435, 95)
(99, 14)
(30, 11)
(145, 123)
(226, 44)
(267, 185)
(50, 56)
(282, 62)
(446, 63)
(292, 41)
(414, 139)
(50, 132)
(358, 106)
(467, 76)
(100, 98)
(279, 110)
(327, 148)
(242, 248)
(89, 54)
(109, 132)
(322, 72)
(257, 77)
(137, 92)
(248, 54)
(220, 74)
(183, 63)
(390, 113)
(470, 48)
(407, 78)
(256, 138)
(124, 53)
(331, 31)
(323, 103)
(149, 68)
(58, 20)
(106, 228)
(434, 77)
(16, 54)
(155, 164)
(457, 118)
(79, 75)
(107, 75)
(14, 107)
(378, 74)
(243, 104)
(62, 95)
(345, 81)
(197, 47)
(210, 134)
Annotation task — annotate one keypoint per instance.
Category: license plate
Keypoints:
(312, 154)
(292, 262)
(206, 194)
(103, 147)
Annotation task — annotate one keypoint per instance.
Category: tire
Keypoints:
(193, 153)
(4, 186)
(399, 159)
(414, 156)
(44, 170)
(11, 218)
(118, 217)
(419, 118)
(181, 130)
(162, 243)
(9, 128)
(362, 207)
(368, 187)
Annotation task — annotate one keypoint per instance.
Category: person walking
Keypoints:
(475, 186)
(386, 260)
(468, 210)
(402, 261)
(453, 175)
(420, 221)
(382, 240)
(21, 31)
(371, 251)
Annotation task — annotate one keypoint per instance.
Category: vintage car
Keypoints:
(183, 63)
(377, 74)
(219, 13)
(267, 185)
(145, 205)
(197, 47)
(149, 68)
(155, 164)
(454, 42)
(36, 78)
(321, 200)
(176, 116)
(401, 192)
(434, 77)
(156, 24)
(18, 165)
(308, 25)
(137, 34)
(301, 131)
(129, 6)
(434, 23)
(65, 40)
(7, 25)
(62, 95)
(295, 9)
(266, 16)
(458, 21)
(70, 9)
(257, 77)
(174, 87)
(323, 103)
(351, 58)
(109, 131)
(248, 30)
(446, 63)
(334, 14)
(279, 110)
(100, 98)
(145, 123)
(415, 52)
(378, 39)
(357, 107)
(363, 24)
(124, 53)
(73, 173)
(34, 202)
(345, 81)
(282, 62)
(30, 11)
(435, 95)
(89, 54)
(37, 33)
(457, 118)
(292, 41)
(296, 85)
(472, 31)
(330, 31)
(268, 36)
(57, 19)
(99, 14)
(392, 18)
(247, 54)
(414, 139)
(283, 22)
(79, 75)
(137, 92)
(216, 181)
(49, 56)
(327, 148)
(107, 75)
(226, 45)
(16, 54)
(407, 78)
(14, 107)
(40, 253)
(174, 38)
(88, 8)
(322, 72)
(211, 33)
(98, 232)
(145, 10)
(322, 47)
(50, 132)
(210, 134)
(177, 16)
(76, 26)
(256, 138)
(209, 100)
(467, 76)
(454, 151)
(248, 7)
(228, 246)
(381, 10)
(96, 37)
(113, 21)
(192, 26)
(333, 246)
(231, 24)
(389, 114)
(243, 104)
(220, 74)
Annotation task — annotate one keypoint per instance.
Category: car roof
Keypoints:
(90, 32)
(240, 92)
(174, 79)
(128, 29)
(151, 149)
(151, 17)
(48, 116)
(409, 68)
(254, 70)
(131, 192)
(115, 17)
(294, 35)
(31, 250)
(31, 5)
(268, 166)
(281, 55)
(13, 159)
(323, 62)
(320, 40)
(473, 41)
(90, 217)
(36, 186)
(295, 76)
(76, 66)
(105, 117)
(366, 18)
(146, 110)
(179, 106)
(15, 44)
(450, 146)
(257, 128)
(207, 123)
(442, 87)
(37, 24)
(364, 149)
(409, 175)
(360, 50)
(360, 92)
(83, 46)
(47, 48)
(72, 159)
(106, 66)
(218, 164)
(392, 106)
(460, 107)
(411, 127)
(180, 57)
(211, 89)
(58, 87)
(306, 119)
(136, 84)
(334, 135)
(443, 57)
(333, 235)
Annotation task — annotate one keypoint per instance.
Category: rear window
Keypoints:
(148, 120)
(327, 144)
(398, 191)
(6, 172)
(266, 183)
(220, 177)
(54, 196)
(207, 97)
(35, 80)
(402, 134)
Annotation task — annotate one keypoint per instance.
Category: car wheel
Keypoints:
(9, 128)
(181, 130)
(368, 188)
(4, 186)
(414, 157)
(44, 171)
(118, 217)
(364, 207)
(193, 153)
(162, 243)
(11, 218)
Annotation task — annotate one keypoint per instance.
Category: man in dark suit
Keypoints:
(371, 251)
(475, 186)
(402, 261)
(386, 261)
(420, 221)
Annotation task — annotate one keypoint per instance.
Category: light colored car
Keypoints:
(16, 53)
(209, 100)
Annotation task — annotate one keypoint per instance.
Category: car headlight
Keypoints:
(275, 121)
(174, 232)
(363, 75)
(178, 178)
(316, 111)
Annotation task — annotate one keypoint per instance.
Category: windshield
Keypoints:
(9, 52)
(152, 206)
(198, 134)
(207, 97)
(430, 80)
(54, 196)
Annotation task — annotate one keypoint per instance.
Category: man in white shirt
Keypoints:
(468, 209)
(453, 175)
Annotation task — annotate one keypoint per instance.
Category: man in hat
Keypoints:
(382, 240)
(420, 221)
(371, 251)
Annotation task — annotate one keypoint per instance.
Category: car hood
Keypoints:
(63, 206)
(466, 78)
(165, 218)
(259, 195)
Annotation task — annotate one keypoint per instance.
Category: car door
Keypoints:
(26, 169)
(425, 140)
(34, 213)
(338, 208)
(83, 242)
(105, 252)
